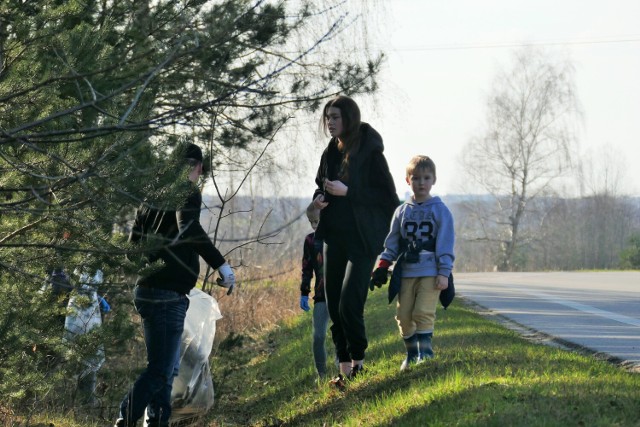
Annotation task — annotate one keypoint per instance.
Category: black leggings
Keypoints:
(347, 274)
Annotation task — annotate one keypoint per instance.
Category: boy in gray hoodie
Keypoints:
(422, 239)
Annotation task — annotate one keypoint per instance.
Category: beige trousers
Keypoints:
(416, 307)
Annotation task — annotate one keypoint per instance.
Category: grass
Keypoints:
(483, 375)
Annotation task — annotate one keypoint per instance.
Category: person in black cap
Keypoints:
(161, 296)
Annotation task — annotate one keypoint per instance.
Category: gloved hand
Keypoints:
(379, 277)
(104, 305)
(227, 278)
(304, 303)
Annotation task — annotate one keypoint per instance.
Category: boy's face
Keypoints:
(421, 182)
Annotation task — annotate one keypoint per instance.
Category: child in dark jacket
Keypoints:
(312, 265)
(422, 238)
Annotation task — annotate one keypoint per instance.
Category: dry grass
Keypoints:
(258, 303)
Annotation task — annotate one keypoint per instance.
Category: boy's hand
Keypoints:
(379, 277)
(442, 282)
(304, 303)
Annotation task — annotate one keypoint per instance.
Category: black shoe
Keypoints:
(339, 382)
(355, 371)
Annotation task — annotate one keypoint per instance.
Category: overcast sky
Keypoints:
(442, 56)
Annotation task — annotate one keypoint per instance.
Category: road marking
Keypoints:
(583, 307)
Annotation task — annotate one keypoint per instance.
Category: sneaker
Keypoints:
(339, 382)
(120, 423)
(355, 371)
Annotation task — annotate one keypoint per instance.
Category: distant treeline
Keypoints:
(555, 233)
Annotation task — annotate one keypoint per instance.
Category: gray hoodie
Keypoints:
(427, 221)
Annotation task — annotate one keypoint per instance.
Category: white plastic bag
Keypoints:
(83, 315)
(192, 394)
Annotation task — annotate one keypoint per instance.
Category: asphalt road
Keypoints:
(597, 311)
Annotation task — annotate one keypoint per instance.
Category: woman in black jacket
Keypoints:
(357, 198)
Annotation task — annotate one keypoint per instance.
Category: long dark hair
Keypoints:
(350, 136)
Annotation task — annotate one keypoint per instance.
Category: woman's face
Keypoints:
(334, 122)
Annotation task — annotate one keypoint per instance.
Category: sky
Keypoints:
(441, 59)
(443, 55)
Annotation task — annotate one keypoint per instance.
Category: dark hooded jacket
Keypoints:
(181, 241)
(371, 197)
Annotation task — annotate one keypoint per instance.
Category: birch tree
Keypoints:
(526, 144)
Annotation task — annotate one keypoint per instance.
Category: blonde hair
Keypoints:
(421, 162)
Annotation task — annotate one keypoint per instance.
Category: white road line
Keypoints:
(583, 307)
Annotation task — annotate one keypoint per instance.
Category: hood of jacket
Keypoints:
(378, 209)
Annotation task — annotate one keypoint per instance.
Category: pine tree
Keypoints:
(94, 97)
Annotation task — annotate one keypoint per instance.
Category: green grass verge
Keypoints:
(483, 375)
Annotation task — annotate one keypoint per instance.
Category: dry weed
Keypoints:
(258, 303)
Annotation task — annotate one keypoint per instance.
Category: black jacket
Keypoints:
(371, 192)
(178, 239)
(312, 261)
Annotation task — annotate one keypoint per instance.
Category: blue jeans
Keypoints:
(163, 313)
(320, 325)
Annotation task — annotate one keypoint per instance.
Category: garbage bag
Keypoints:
(83, 315)
(192, 395)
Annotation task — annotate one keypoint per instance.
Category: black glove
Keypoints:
(379, 277)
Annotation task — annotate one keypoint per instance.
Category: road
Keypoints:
(597, 311)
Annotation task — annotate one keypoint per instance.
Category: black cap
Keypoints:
(192, 151)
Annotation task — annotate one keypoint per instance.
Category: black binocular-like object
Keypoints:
(413, 252)
(412, 255)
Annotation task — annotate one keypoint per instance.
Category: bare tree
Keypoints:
(601, 171)
(526, 144)
(607, 216)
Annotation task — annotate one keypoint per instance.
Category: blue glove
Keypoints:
(304, 303)
(104, 305)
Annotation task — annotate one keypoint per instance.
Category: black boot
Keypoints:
(425, 350)
(411, 345)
